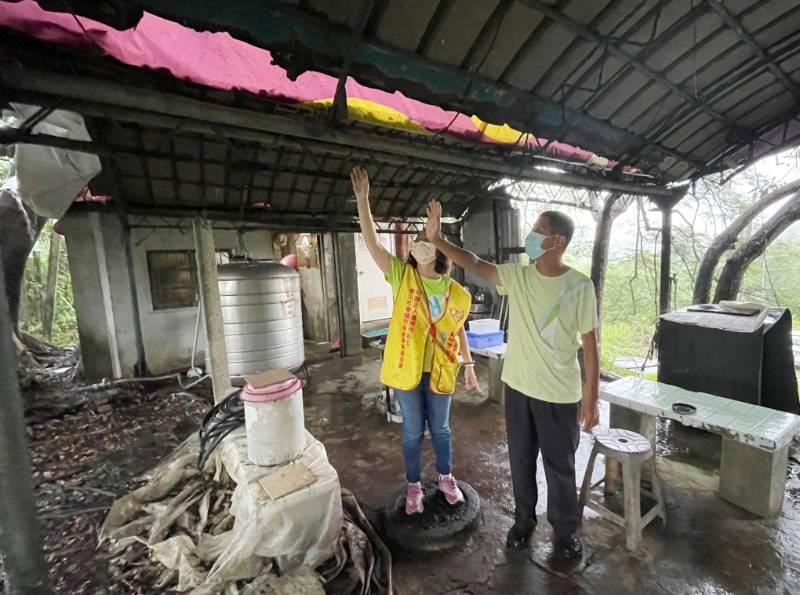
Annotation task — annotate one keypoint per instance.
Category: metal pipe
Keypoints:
(177, 377)
(196, 335)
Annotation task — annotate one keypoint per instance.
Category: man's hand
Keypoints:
(589, 415)
(471, 379)
(433, 228)
(360, 179)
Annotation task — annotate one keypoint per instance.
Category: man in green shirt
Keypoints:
(550, 307)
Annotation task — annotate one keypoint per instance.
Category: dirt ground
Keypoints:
(85, 459)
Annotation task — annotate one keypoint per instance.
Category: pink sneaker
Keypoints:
(450, 489)
(414, 498)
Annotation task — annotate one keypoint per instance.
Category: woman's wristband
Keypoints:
(468, 364)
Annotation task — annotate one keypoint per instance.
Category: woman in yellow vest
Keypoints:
(426, 334)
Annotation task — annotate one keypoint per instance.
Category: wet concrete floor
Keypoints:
(707, 547)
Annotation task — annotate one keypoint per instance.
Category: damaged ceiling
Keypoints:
(676, 88)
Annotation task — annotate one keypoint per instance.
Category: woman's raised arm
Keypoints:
(380, 255)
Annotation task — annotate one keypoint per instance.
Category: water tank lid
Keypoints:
(271, 392)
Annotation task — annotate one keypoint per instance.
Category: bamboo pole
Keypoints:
(49, 303)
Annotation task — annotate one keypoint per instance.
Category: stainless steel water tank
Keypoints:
(262, 316)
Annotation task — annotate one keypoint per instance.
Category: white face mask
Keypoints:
(423, 252)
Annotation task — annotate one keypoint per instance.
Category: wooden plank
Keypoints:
(287, 480)
(212, 307)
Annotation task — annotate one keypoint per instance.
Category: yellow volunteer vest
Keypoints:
(409, 330)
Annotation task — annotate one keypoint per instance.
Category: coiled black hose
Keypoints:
(223, 418)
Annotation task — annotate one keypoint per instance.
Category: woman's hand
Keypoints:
(360, 179)
(471, 379)
(433, 226)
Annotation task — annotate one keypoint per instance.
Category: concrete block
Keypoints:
(752, 478)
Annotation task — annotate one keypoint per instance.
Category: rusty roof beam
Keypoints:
(650, 49)
(587, 33)
(717, 88)
(538, 32)
(101, 98)
(734, 23)
(490, 29)
(567, 90)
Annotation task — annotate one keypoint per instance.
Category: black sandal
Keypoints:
(519, 537)
(570, 548)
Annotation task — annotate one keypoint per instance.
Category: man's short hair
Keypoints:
(560, 224)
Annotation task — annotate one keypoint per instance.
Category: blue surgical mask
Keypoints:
(533, 245)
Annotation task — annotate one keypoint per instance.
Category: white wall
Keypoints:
(168, 334)
(106, 316)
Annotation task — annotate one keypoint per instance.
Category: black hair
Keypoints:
(560, 224)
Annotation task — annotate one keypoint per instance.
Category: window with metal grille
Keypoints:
(173, 279)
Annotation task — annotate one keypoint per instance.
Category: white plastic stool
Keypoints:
(631, 450)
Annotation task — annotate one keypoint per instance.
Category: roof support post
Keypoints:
(498, 240)
(20, 540)
(344, 247)
(208, 282)
(665, 286)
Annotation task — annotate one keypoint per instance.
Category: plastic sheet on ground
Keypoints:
(302, 528)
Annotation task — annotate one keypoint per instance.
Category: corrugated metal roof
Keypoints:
(676, 88)
(689, 87)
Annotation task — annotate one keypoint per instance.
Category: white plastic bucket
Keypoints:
(273, 418)
(484, 326)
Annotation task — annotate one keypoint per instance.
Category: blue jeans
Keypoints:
(420, 405)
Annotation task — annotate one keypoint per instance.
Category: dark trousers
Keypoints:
(533, 425)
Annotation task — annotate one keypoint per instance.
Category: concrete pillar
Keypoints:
(329, 285)
(212, 307)
(20, 541)
(105, 293)
(347, 293)
(103, 290)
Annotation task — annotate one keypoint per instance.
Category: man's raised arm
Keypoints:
(460, 257)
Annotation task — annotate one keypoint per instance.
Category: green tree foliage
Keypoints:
(65, 329)
(630, 303)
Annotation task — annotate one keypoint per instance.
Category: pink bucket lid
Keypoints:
(273, 392)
